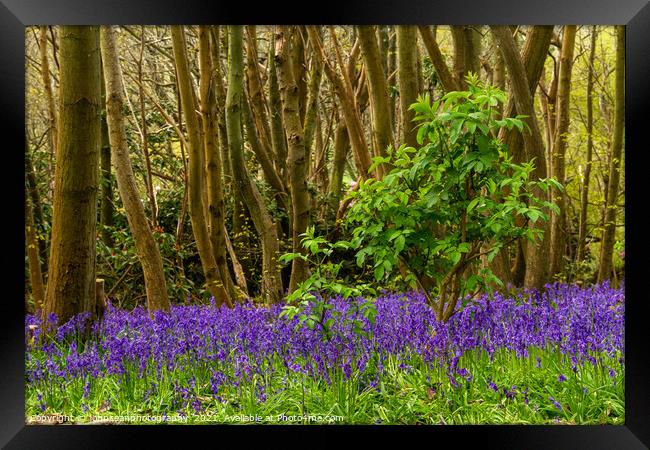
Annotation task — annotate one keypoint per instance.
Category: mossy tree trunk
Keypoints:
(605, 268)
(558, 228)
(209, 120)
(584, 193)
(407, 80)
(271, 281)
(378, 88)
(296, 152)
(213, 279)
(71, 279)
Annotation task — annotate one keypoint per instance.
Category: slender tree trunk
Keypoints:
(299, 67)
(180, 225)
(214, 282)
(605, 270)
(437, 59)
(345, 94)
(384, 47)
(407, 80)
(145, 138)
(558, 229)
(71, 279)
(146, 246)
(309, 126)
(33, 260)
(379, 108)
(35, 197)
(278, 139)
(341, 144)
(546, 106)
(499, 76)
(271, 280)
(237, 207)
(297, 169)
(106, 206)
(256, 94)
(584, 194)
(537, 254)
(49, 96)
(216, 205)
(459, 55)
(392, 70)
(467, 48)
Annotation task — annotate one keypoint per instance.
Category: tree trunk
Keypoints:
(49, 96)
(343, 88)
(71, 279)
(238, 269)
(106, 205)
(437, 59)
(214, 282)
(299, 67)
(146, 246)
(216, 205)
(145, 137)
(533, 57)
(256, 97)
(392, 69)
(296, 147)
(467, 48)
(379, 108)
(271, 280)
(537, 253)
(37, 210)
(33, 260)
(558, 229)
(609, 234)
(341, 144)
(584, 194)
(278, 138)
(407, 80)
(309, 126)
(263, 154)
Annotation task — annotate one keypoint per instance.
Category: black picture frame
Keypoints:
(15, 15)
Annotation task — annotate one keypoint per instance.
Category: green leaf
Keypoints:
(379, 273)
(533, 215)
(399, 243)
(454, 257)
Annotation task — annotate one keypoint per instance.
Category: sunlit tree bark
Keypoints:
(584, 192)
(558, 228)
(609, 233)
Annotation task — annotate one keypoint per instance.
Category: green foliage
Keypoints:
(456, 198)
(310, 298)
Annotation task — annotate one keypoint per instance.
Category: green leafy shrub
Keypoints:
(445, 205)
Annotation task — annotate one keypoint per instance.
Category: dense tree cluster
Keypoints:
(188, 159)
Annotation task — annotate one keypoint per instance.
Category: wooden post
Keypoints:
(100, 299)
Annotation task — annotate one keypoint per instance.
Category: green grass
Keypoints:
(588, 396)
